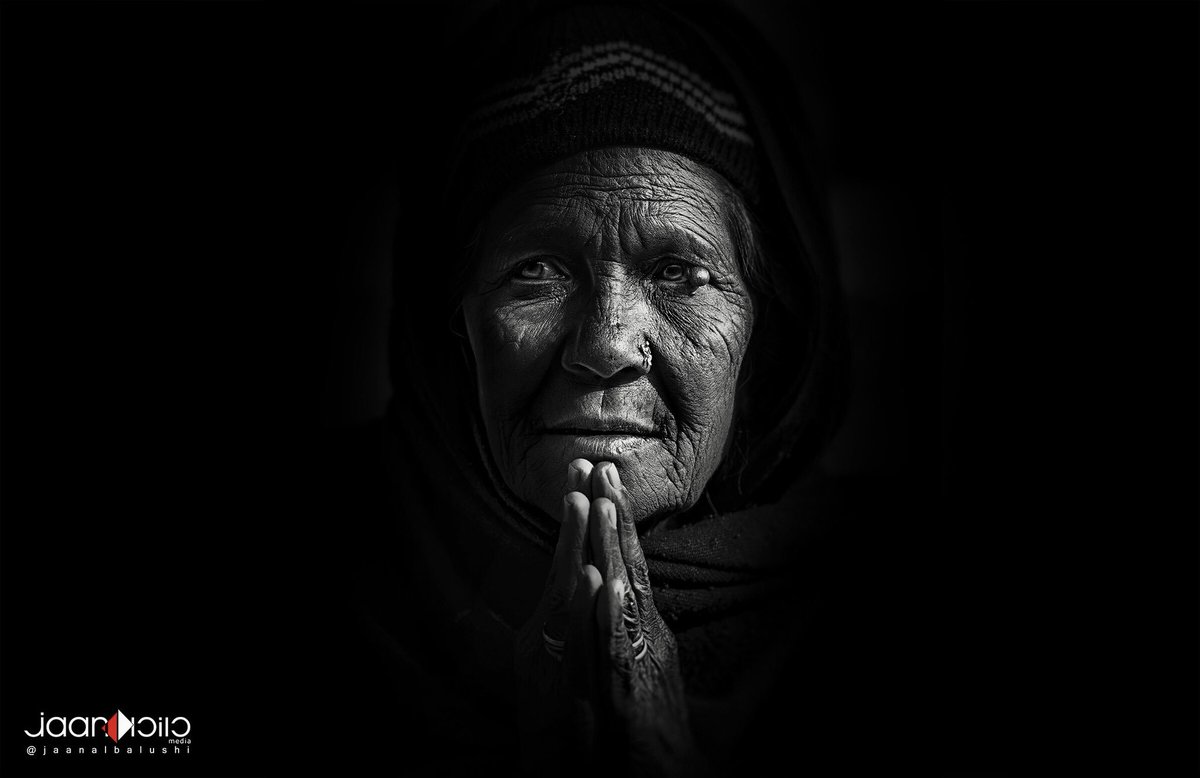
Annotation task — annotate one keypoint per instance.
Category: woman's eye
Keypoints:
(536, 270)
(673, 272)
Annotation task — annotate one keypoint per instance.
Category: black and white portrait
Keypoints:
(599, 388)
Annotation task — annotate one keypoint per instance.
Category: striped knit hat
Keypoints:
(582, 77)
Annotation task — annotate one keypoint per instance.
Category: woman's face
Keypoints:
(608, 320)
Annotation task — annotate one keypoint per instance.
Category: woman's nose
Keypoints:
(609, 342)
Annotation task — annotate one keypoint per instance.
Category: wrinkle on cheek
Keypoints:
(523, 328)
(729, 343)
(521, 339)
(709, 338)
(703, 346)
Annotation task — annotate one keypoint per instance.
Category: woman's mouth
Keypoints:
(636, 432)
(582, 426)
(597, 446)
(595, 438)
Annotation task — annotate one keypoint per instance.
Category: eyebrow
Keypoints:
(538, 224)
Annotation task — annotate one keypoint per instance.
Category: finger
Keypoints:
(568, 561)
(635, 567)
(606, 482)
(579, 478)
(579, 474)
(572, 537)
(614, 641)
(580, 651)
(605, 546)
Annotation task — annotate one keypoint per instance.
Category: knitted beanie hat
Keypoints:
(582, 77)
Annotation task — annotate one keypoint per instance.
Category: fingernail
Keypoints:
(614, 478)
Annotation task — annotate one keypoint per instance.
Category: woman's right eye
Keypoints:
(537, 270)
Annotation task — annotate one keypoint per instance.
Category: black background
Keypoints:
(182, 184)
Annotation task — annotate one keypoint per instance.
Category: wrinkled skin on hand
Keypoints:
(608, 320)
(602, 706)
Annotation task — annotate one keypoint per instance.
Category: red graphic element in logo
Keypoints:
(116, 727)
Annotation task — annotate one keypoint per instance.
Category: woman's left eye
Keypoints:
(673, 272)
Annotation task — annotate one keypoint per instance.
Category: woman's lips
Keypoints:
(584, 426)
(596, 438)
(636, 432)
(596, 446)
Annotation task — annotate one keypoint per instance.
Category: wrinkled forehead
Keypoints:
(653, 194)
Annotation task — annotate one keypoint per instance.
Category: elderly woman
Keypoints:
(599, 439)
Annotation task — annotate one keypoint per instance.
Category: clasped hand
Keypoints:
(598, 667)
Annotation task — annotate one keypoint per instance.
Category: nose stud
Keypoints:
(647, 357)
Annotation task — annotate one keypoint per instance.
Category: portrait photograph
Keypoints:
(599, 388)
